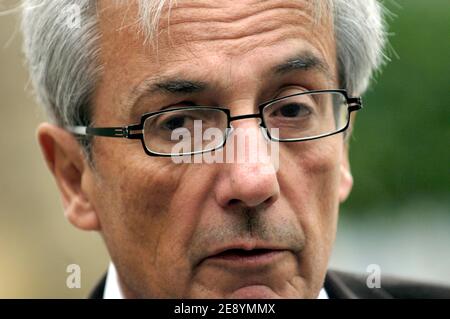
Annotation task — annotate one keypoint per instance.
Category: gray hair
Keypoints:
(65, 68)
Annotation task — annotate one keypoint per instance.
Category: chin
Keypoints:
(254, 292)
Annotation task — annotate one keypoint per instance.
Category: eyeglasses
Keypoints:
(294, 118)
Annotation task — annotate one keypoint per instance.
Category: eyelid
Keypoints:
(284, 89)
(178, 105)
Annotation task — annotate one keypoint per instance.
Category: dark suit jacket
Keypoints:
(341, 285)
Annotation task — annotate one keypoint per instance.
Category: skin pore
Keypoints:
(164, 222)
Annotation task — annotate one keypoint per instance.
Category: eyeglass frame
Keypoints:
(129, 131)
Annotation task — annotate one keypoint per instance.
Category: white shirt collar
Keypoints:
(112, 287)
(113, 291)
(323, 294)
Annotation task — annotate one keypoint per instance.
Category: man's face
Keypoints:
(215, 230)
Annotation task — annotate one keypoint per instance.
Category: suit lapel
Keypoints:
(98, 291)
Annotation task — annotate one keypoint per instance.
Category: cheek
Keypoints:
(137, 192)
(134, 200)
(311, 172)
(148, 217)
(310, 184)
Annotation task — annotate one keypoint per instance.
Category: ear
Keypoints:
(346, 182)
(72, 173)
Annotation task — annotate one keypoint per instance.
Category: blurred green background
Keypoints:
(401, 147)
(398, 215)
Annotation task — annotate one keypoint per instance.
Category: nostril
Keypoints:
(233, 202)
(236, 202)
(269, 201)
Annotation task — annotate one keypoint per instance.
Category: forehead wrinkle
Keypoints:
(193, 9)
(211, 29)
(237, 32)
(247, 44)
(215, 9)
(179, 14)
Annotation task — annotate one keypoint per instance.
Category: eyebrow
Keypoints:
(164, 85)
(180, 86)
(303, 61)
(174, 86)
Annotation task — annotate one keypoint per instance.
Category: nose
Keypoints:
(250, 179)
(246, 185)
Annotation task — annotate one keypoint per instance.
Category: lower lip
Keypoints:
(249, 260)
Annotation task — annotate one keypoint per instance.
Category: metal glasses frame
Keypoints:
(136, 131)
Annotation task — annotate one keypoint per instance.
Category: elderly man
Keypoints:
(136, 89)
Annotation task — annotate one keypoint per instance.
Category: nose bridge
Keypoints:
(246, 116)
(242, 122)
(247, 142)
(249, 177)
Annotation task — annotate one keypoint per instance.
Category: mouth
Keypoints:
(242, 253)
(247, 258)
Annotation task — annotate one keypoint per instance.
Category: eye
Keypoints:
(291, 110)
(174, 123)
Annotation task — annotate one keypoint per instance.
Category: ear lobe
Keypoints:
(65, 159)
(346, 181)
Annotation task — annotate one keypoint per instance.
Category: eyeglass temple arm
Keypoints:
(354, 103)
(121, 132)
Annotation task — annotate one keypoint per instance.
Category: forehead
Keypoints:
(201, 36)
(236, 26)
(233, 26)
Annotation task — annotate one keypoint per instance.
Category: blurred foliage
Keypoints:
(400, 148)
